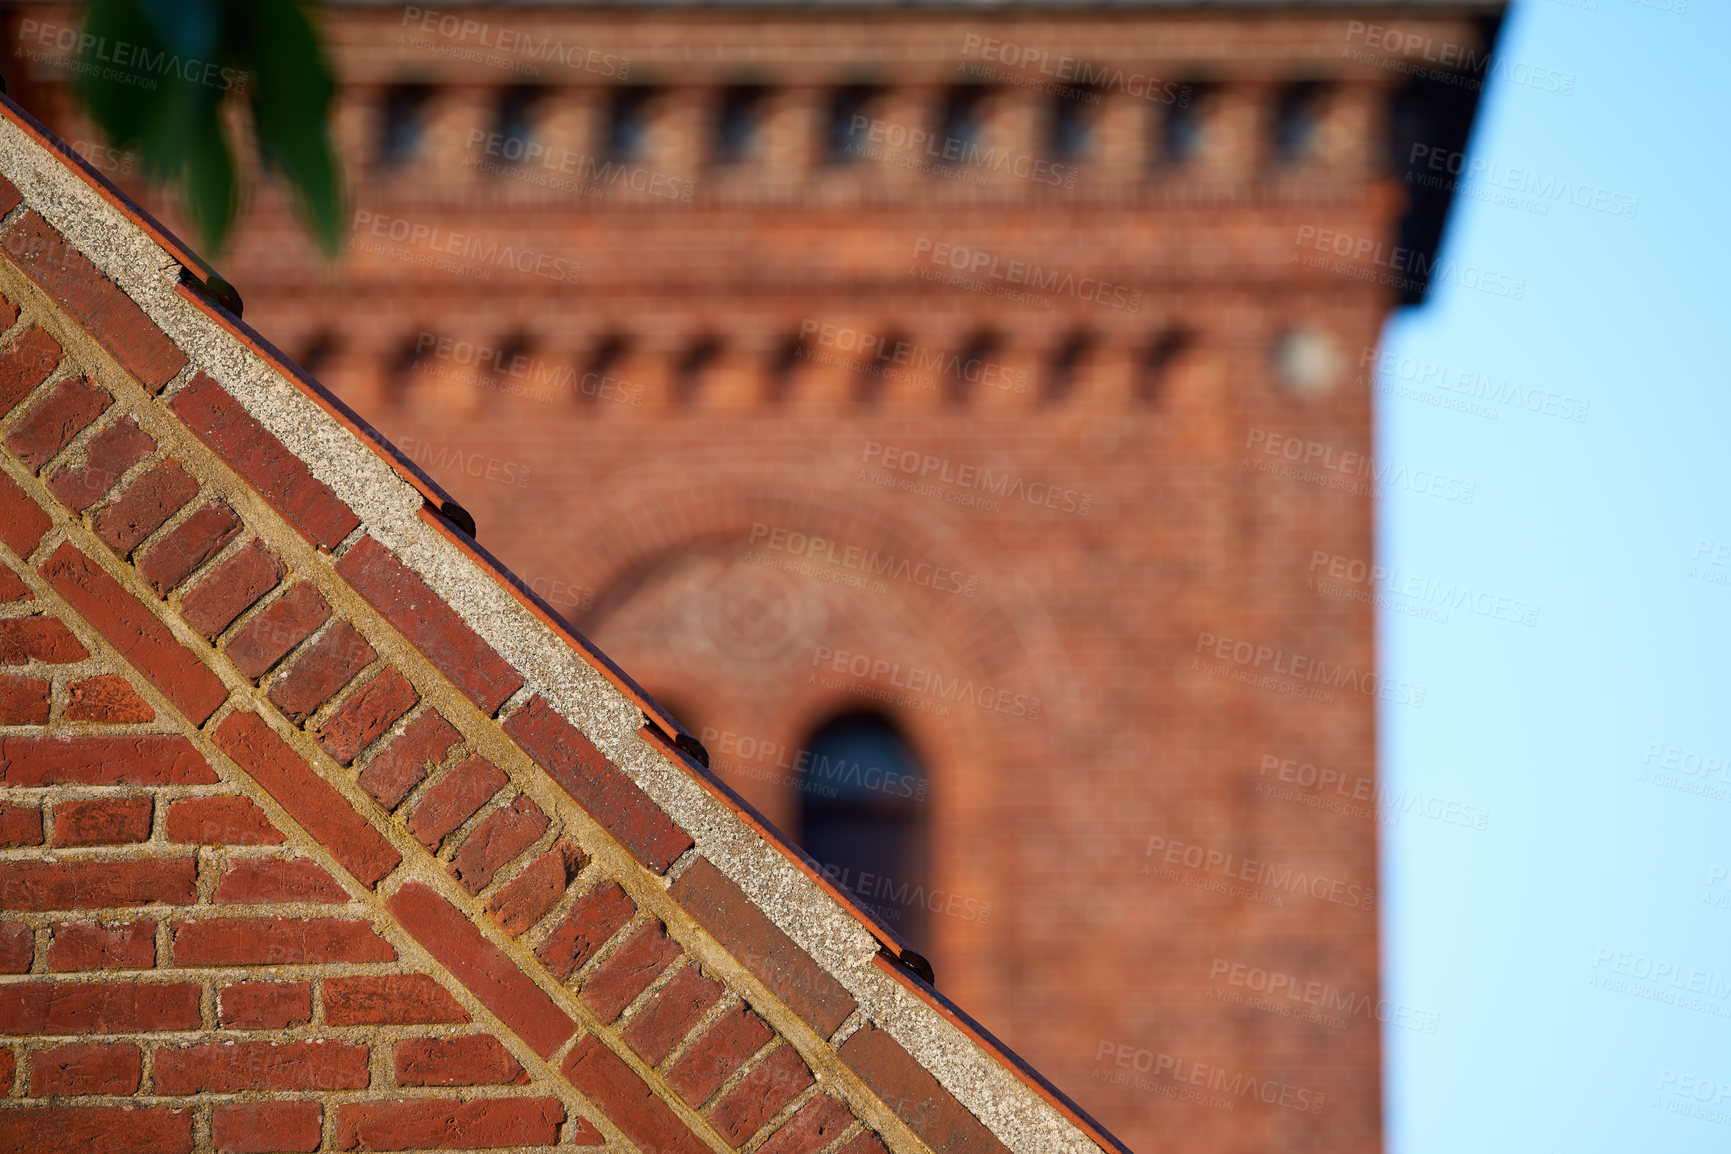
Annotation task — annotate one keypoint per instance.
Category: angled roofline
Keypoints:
(416, 521)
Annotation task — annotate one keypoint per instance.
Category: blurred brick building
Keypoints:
(943, 410)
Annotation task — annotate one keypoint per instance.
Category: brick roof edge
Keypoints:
(395, 502)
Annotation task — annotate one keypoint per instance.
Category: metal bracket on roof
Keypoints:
(459, 517)
(213, 286)
(913, 963)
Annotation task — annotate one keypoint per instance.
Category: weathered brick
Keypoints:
(231, 589)
(187, 546)
(44, 639)
(86, 1068)
(107, 698)
(463, 1060)
(88, 885)
(267, 1127)
(746, 931)
(20, 824)
(94, 301)
(676, 1007)
(594, 919)
(409, 757)
(144, 505)
(146, 759)
(22, 521)
(422, 616)
(107, 455)
(219, 821)
(321, 670)
(24, 364)
(604, 1078)
(529, 895)
(257, 881)
(917, 1097)
(448, 1124)
(82, 1129)
(264, 1005)
(12, 587)
(9, 200)
(309, 799)
(74, 946)
(97, 1007)
(230, 1067)
(102, 821)
(131, 628)
(864, 1143)
(368, 712)
(627, 972)
(717, 1053)
(501, 836)
(454, 799)
(818, 1123)
(599, 786)
(277, 942)
(17, 950)
(49, 426)
(759, 1096)
(389, 999)
(254, 452)
(24, 700)
(278, 628)
(8, 1066)
(482, 967)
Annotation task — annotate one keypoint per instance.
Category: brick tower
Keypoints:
(949, 415)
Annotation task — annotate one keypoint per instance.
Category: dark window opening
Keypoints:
(514, 120)
(973, 366)
(599, 381)
(403, 124)
(404, 365)
(1184, 125)
(862, 805)
(693, 365)
(1298, 115)
(627, 133)
(962, 123)
(511, 366)
(873, 375)
(1070, 124)
(738, 119)
(316, 354)
(1155, 367)
(847, 123)
(1065, 369)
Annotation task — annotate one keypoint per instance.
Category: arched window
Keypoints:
(862, 803)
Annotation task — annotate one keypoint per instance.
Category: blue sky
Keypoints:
(1576, 948)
